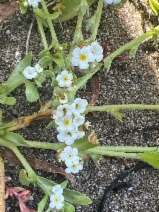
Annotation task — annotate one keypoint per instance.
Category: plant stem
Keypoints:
(97, 15)
(22, 160)
(125, 149)
(45, 145)
(109, 108)
(132, 45)
(50, 24)
(41, 29)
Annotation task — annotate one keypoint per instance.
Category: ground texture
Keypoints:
(129, 82)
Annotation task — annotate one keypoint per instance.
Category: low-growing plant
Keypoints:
(75, 142)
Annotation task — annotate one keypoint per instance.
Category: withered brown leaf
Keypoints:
(7, 9)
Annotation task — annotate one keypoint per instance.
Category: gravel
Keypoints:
(128, 82)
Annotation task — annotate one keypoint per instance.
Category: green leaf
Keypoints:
(83, 143)
(51, 124)
(152, 158)
(48, 73)
(68, 207)
(14, 137)
(0, 115)
(44, 53)
(23, 9)
(24, 178)
(154, 5)
(43, 62)
(96, 158)
(31, 91)
(58, 59)
(17, 78)
(75, 197)
(10, 101)
(42, 204)
(43, 14)
(134, 49)
(64, 184)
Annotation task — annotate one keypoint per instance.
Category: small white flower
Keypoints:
(72, 87)
(63, 99)
(57, 189)
(57, 201)
(79, 106)
(25, 4)
(81, 57)
(97, 51)
(80, 134)
(64, 110)
(67, 136)
(38, 68)
(65, 123)
(73, 167)
(112, 1)
(34, 3)
(30, 72)
(69, 154)
(78, 120)
(64, 79)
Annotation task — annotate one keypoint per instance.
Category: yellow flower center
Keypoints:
(83, 57)
(70, 155)
(65, 79)
(67, 122)
(74, 166)
(56, 199)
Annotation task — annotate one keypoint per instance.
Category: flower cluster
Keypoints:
(57, 198)
(33, 3)
(72, 160)
(32, 72)
(91, 53)
(65, 79)
(112, 1)
(69, 118)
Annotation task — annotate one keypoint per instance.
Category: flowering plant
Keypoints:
(75, 142)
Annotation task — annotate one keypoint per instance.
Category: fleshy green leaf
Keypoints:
(43, 62)
(10, 101)
(154, 5)
(23, 9)
(75, 197)
(14, 137)
(64, 184)
(58, 59)
(42, 204)
(24, 178)
(43, 14)
(51, 124)
(17, 78)
(68, 207)
(152, 158)
(31, 91)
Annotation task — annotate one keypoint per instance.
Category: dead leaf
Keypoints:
(95, 82)
(2, 186)
(7, 9)
(38, 164)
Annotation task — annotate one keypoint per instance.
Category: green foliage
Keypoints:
(44, 15)
(23, 9)
(24, 178)
(14, 137)
(42, 204)
(31, 91)
(68, 207)
(154, 5)
(152, 158)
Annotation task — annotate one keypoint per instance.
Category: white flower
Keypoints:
(25, 4)
(67, 136)
(97, 51)
(73, 167)
(30, 72)
(112, 1)
(80, 134)
(79, 106)
(64, 79)
(81, 57)
(57, 201)
(78, 120)
(69, 154)
(63, 99)
(38, 68)
(72, 87)
(57, 189)
(65, 123)
(64, 110)
(34, 3)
